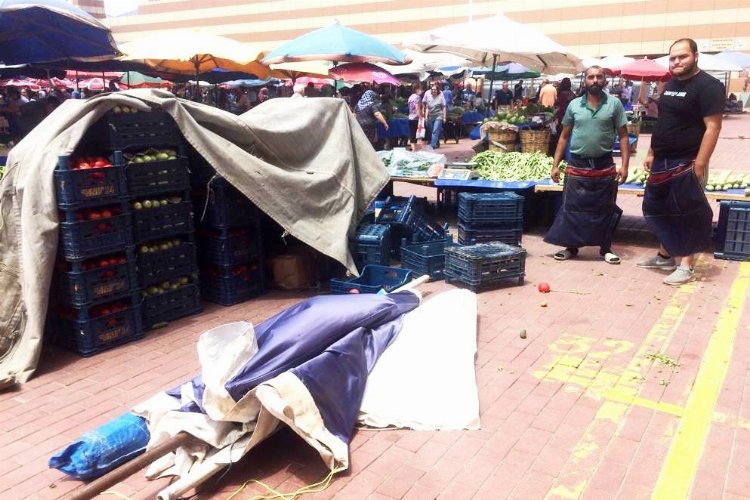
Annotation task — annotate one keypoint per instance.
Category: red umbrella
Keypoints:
(94, 84)
(363, 72)
(646, 70)
(18, 82)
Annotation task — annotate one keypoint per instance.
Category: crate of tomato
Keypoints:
(95, 280)
(87, 180)
(228, 285)
(89, 232)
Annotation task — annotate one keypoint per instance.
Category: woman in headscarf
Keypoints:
(368, 114)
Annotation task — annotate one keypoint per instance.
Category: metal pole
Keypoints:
(492, 82)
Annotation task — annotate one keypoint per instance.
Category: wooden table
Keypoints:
(637, 190)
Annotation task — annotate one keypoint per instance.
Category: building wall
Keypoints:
(93, 7)
(586, 27)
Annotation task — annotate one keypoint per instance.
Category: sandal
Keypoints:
(565, 254)
(611, 258)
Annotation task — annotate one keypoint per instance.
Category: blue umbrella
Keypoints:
(738, 58)
(42, 31)
(336, 43)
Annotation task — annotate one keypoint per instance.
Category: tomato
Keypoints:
(84, 165)
(100, 163)
(104, 311)
(106, 214)
(94, 215)
(543, 287)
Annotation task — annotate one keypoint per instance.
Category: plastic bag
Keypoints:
(103, 449)
(420, 128)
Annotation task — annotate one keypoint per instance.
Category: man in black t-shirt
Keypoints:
(503, 97)
(684, 137)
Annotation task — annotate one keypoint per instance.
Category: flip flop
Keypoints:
(563, 254)
(611, 258)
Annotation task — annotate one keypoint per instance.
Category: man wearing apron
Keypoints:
(589, 213)
(684, 137)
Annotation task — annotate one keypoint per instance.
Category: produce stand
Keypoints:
(637, 190)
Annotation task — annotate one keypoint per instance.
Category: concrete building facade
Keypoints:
(93, 7)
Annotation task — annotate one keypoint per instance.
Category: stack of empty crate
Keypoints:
(485, 265)
(230, 240)
(486, 217)
(733, 231)
(94, 301)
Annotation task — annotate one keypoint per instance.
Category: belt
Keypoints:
(658, 177)
(586, 172)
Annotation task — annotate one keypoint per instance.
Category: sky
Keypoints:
(117, 7)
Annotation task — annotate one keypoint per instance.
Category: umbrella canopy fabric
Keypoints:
(336, 43)
(295, 70)
(707, 62)
(612, 63)
(422, 62)
(39, 31)
(135, 80)
(645, 69)
(194, 52)
(739, 58)
(95, 84)
(499, 39)
(363, 72)
(20, 82)
(511, 71)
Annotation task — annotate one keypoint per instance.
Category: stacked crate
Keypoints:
(733, 231)
(371, 245)
(485, 265)
(230, 241)
(486, 217)
(94, 302)
(426, 257)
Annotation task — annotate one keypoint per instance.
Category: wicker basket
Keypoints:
(534, 140)
(502, 140)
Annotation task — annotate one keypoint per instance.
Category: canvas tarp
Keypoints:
(306, 163)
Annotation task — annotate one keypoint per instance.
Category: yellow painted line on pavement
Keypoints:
(681, 463)
(621, 394)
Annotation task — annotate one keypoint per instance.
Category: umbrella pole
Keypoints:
(492, 83)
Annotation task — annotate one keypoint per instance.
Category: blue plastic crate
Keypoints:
(155, 177)
(733, 231)
(425, 257)
(88, 238)
(495, 209)
(396, 210)
(162, 222)
(371, 245)
(229, 246)
(223, 205)
(164, 260)
(143, 129)
(89, 282)
(485, 265)
(90, 330)
(229, 285)
(171, 305)
(468, 235)
(373, 279)
(86, 187)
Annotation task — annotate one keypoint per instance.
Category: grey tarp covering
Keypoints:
(305, 162)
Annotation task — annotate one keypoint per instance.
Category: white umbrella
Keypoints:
(706, 62)
(423, 62)
(614, 62)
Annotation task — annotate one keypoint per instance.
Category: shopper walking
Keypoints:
(369, 113)
(684, 137)
(547, 94)
(415, 112)
(589, 214)
(435, 112)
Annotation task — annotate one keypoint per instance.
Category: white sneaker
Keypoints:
(680, 276)
(658, 262)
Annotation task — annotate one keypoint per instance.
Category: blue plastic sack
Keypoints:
(103, 449)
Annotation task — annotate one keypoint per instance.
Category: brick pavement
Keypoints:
(633, 390)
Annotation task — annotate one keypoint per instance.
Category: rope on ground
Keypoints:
(117, 494)
(310, 488)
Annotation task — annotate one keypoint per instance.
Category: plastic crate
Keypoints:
(169, 306)
(733, 231)
(225, 206)
(426, 257)
(85, 332)
(483, 209)
(174, 260)
(98, 284)
(165, 176)
(471, 235)
(84, 239)
(162, 222)
(229, 285)
(138, 130)
(371, 245)
(229, 246)
(373, 279)
(396, 210)
(94, 186)
(485, 264)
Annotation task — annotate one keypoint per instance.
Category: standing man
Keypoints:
(547, 94)
(518, 91)
(684, 137)
(503, 97)
(589, 214)
(434, 112)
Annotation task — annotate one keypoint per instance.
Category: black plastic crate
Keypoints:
(158, 309)
(468, 235)
(86, 187)
(90, 330)
(733, 231)
(485, 265)
(425, 257)
(82, 239)
(162, 222)
(372, 280)
(223, 205)
(396, 210)
(143, 129)
(100, 279)
(164, 260)
(229, 285)
(371, 245)
(491, 209)
(229, 246)
(155, 177)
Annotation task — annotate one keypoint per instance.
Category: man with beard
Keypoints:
(589, 214)
(684, 137)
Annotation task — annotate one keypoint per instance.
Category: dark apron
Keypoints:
(589, 214)
(676, 208)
